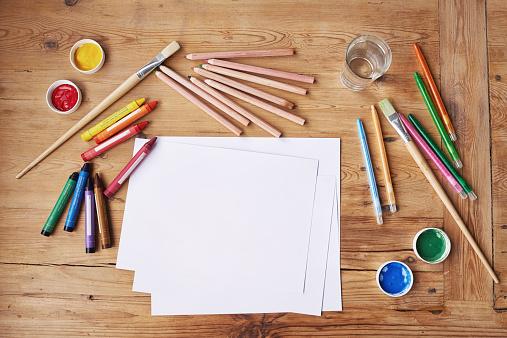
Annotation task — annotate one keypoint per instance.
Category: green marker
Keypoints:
(438, 122)
(60, 204)
(442, 157)
(432, 245)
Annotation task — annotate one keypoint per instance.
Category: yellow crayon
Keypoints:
(90, 133)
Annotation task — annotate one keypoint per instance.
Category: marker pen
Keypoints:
(60, 204)
(129, 168)
(100, 203)
(89, 217)
(114, 141)
(76, 198)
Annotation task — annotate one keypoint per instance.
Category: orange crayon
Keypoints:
(124, 122)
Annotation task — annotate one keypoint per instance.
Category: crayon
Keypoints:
(70, 222)
(60, 204)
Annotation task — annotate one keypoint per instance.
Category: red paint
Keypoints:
(64, 97)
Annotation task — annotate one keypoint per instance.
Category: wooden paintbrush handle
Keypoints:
(425, 168)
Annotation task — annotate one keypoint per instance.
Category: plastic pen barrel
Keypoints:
(89, 217)
(76, 198)
(60, 204)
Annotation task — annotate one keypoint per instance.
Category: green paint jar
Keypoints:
(432, 245)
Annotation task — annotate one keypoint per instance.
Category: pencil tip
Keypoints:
(189, 77)
(200, 65)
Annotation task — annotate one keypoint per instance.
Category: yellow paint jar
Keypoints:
(87, 56)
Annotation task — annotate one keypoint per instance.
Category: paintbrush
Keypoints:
(393, 117)
(109, 100)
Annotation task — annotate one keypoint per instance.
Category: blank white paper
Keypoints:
(176, 296)
(220, 215)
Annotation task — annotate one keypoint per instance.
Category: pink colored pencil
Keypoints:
(241, 54)
(264, 125)
(426, 148)
(255, 79)
(255, 101)
(174, 85)
(243, 87)
(192, 87)
(261, 70)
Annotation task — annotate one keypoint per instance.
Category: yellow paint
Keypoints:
(88, 56)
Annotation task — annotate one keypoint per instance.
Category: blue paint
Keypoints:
(395, 278)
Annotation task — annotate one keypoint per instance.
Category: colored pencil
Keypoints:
(261, 70)
(193, 88)
(255, 101)
(377, 208)
(383, 157)
(245, 88)
(435, 94)
(241, 54)
(127, 85)
(393, 117)
(442, 156)
(438, 122)
(255, 79)
(174, 85)
(262, 124)
(433, 157)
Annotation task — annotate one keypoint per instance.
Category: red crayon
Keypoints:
(114, 141)
(129, 168)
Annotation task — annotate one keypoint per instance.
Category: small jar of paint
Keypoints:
(395, 278)
(87, 56)
(432, 245)
(63, 97)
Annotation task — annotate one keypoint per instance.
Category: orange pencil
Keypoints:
(261, 70)
(435, 95)
(124, 122)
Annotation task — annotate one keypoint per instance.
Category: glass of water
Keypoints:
(367, 58)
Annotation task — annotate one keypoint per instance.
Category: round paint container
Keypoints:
(395, 278)
(87, 56)
(63, 97)
(432, 245)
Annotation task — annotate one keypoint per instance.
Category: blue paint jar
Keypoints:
(395, 278)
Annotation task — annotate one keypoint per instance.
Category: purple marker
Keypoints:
(89, 217)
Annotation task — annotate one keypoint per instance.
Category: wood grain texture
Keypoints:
(49, 286)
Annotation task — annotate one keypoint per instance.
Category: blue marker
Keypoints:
(77, 198)
(369, 170)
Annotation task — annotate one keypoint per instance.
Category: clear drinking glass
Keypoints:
(367, 58)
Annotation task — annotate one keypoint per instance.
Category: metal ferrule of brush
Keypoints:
(395, 121)
(150, 66)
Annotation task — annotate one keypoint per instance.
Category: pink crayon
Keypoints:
(433, 157)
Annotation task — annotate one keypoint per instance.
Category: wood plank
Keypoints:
(464, 89)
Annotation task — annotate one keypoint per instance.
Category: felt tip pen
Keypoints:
(70, 222)
(124, 122)
(87, 135)
(369, 170)
(129, 168)
(89, 217)
(67, 191)
(100, 203)
(114, 141)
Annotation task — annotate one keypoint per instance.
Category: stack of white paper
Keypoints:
(235, 225)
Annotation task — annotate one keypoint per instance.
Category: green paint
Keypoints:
(431, 245)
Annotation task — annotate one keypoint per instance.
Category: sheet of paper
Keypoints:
(176, 296)
(196, 210)
(332, 289)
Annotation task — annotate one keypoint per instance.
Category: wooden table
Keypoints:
(49, 286)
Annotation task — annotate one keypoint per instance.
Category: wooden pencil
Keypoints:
(256, 79)
(262, 124)
(174, 85)
(243, 87)
(261, 70)
(241, 54)
(256, 102)
(193, 88)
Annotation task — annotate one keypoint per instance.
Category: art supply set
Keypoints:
(192, 192)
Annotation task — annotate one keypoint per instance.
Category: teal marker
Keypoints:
(60, 204)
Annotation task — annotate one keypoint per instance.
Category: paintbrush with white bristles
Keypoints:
(393, 117)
